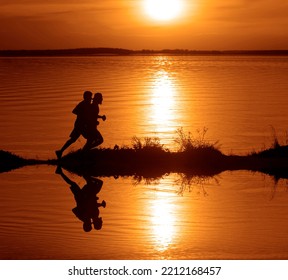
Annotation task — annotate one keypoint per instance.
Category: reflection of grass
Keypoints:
(194, 183)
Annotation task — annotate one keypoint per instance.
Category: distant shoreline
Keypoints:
(127, 52)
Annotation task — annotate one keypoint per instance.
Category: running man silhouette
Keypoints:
(94, 137)
(81, 122)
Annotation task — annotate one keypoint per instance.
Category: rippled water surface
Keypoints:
(236, 215)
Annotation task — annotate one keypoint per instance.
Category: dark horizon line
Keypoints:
(120, 52)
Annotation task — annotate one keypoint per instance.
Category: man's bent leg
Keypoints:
(65, 146)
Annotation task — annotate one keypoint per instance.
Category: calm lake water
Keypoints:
(236, 215)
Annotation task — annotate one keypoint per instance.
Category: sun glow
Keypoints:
(163, 10)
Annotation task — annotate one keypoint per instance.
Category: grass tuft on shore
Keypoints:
(148, 144)
(188, 142)
(9, 161)
(276, 150)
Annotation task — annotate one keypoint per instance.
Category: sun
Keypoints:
(163, 10)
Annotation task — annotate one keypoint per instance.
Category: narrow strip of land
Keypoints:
(152, 162)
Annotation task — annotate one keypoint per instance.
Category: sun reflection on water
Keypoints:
(163, 222)
(163, 103)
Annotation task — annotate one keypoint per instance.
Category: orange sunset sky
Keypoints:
(140, 24)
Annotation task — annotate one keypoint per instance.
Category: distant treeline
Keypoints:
(119, 51)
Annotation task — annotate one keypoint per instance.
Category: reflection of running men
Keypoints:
(80, 125)
(87, 209)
